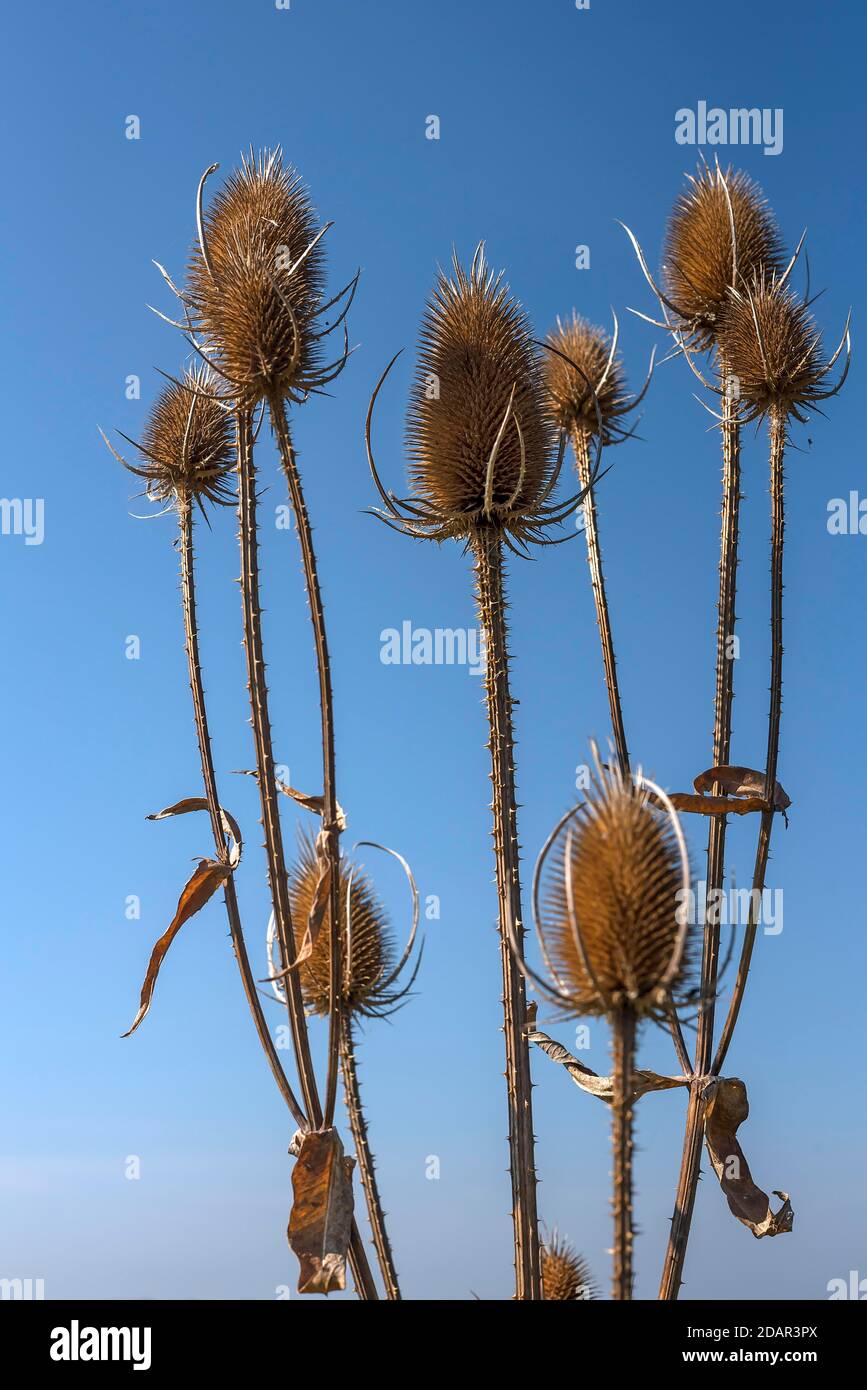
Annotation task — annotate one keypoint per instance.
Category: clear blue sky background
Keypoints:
(554, 123)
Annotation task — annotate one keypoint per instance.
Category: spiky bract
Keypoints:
(255, 285)
(611, 924)
(187, 447)
(565, 1274)
(480, 436)
(721, 234)
(571, 392)
(367, 950)
(773, 349)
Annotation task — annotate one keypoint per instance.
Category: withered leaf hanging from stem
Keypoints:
(601, 1086)
(206, 879)
(310, 802)
(320, 1223)
(726, 1111)
(204, 882)
(743, 791)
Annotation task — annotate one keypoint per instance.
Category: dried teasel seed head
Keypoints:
(772, 348)
(480, 437)
(612, 919)
(570, 396)
(255, 282)
(699, 258)
(370, 944)
(187, 448)
(565, 1274)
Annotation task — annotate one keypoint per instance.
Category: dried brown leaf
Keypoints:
(320, 1224)
(602, 1086)
(206, 879)
(316, 804)
(717, 805)
(740, 781)
(310, 802)
(230, 825)
(727, 1108)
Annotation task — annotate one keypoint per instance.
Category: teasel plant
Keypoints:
(608, 891)
(721, 233)
(722, 243)
(588, 397)
(566, 1277)
(253, 304)
(185, 462)
(774, 349)
(483, 465)
(369, 989)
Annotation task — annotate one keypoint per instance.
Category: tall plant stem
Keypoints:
(623, 1047)
(675, 1255)
(581, 443)
(277, 878)
(191, 634)
(492, 609)
(778, 527)
(326, 706)
(340, 1050)
(364, 1155)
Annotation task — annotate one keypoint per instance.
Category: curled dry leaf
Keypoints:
(743, 792)
(601, 1086)
(206, 879)
(727, 1108)
(316, 804)
(320, 1224)
(740, 781)
(230, 825)
(717, 805)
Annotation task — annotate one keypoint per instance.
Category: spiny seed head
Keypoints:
(772, 348)
(370, 943)
(254, 296)
(612, 897)
(187, 446)
(569, 391)
(480, 437)
(699, 266)
(565, 1274)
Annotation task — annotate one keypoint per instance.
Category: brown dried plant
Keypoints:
(566, 1276)
(588, 396)
(368, 988)
(720, 235)
(251, 303)
(775, 353)
(726, 292)
(614, 941)
(482, 467)
(186, 458)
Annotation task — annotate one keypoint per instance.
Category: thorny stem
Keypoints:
(364, 1155)
(326, 706)
(581, 443)
(492, 610)
(778, 527)
(623, 1049)
(277, 877)
(191, 634)
(675, 1254)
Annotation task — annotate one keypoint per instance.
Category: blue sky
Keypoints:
(554, 122)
